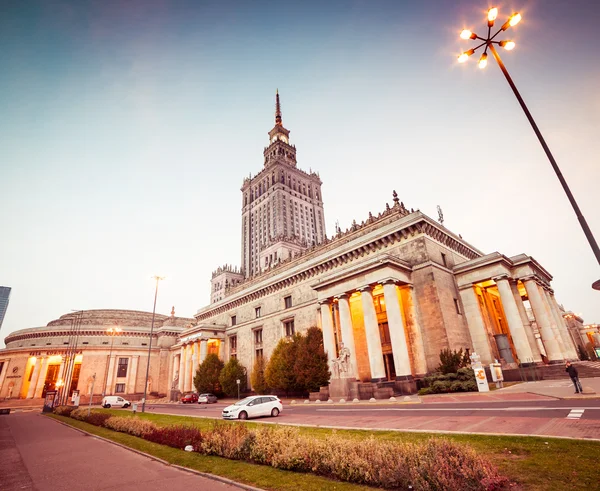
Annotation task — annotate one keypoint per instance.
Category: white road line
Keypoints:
(460, 409)
(575, 414)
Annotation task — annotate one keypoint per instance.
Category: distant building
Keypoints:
(4, 296)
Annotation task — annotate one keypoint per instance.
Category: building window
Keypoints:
(257, 312)
(457, 306)
(233, 320)
(122, 367)
(233, 346)
(119, 388)
(444, 259)
(259, 353)
(288, 302)
(104, 342)
(258, 337)
(289, 328)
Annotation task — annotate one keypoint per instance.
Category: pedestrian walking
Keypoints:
(572, 371)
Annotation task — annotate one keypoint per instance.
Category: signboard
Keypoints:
(482, 384)
(50, 400)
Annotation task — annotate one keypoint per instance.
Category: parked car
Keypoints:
(115, 401)
(189, 397)
(253, 407)
(207, 398)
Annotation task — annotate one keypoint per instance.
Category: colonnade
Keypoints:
(556, 343)
(401, 316)
(186, 362)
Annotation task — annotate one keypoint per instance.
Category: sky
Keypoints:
(127, 129)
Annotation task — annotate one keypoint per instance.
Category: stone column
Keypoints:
(222, 349)
(34, 378)
(132, 378)
(186, 369)
(475, 323)
(327, 328)
(543, 322)
(203, 351)
(181, 368)
(513, 318)
(41, 379)
(348, 334)
(111, 375)
(537, 358)
(397, 334)
(194, 364)
(372, 334)
(546, 300)
(411, 321)
(570, 350)
(175, 370)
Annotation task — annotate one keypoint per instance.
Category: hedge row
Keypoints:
(461, 381)
(433, 465)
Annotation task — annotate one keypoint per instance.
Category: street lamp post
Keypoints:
(157, 278)
(112, 331)
(488, 43)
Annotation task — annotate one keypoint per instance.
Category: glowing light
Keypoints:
(492, 14)
(508, 45)
(483, 61)
(514, 19)
(465, 56)
(466, 34)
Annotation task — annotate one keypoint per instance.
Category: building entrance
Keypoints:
(51, 378)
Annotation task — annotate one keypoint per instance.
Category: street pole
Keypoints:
(157, 278)
(563, 182)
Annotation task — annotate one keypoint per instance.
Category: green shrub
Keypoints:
(441, 386)
(79, 414)
(457, 386)
(177, 436)
(451, 361)
(64, 410)
(133, 426)
(425, 391)
(206, 378)
(257, 378)
(470, 386)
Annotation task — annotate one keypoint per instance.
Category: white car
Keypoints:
(115, 401)
(254, 407)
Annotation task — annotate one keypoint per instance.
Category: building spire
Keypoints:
(277, 109)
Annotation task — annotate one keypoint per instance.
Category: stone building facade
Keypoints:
(106, 348)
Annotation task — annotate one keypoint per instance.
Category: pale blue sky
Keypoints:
(128, 127)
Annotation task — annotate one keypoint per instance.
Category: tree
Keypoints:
(311, 366)
(206, 378)
(279, 373)
(451, 361)
(231, 373)
(259, 383)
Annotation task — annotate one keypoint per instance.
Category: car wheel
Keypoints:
(275, 412)
(107, 406)
(125, 406)
(243, 415)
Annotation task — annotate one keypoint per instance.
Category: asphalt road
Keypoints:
(508, 409)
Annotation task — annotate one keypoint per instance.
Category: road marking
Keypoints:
(575, 414)
(578, 410)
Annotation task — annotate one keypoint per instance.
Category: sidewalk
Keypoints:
(38, 453)
(524, 391)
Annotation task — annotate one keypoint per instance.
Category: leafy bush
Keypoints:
(206, 378)
(79, 414)
(226, 440)
(451, 361)
(133, 426)
(257, 378)
(233, 371)
(176, 436)
(64, 410)
(441, 386)
(462, 381)
(97, 419)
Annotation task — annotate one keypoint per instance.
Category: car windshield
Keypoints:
(243, 402)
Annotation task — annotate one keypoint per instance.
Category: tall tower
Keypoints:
(282, 206)
(4, 297)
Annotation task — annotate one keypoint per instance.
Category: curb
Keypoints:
(156, 459)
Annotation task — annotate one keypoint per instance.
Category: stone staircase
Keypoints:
(586, 369)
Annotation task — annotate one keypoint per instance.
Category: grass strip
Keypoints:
(261, 476)
(537, 464)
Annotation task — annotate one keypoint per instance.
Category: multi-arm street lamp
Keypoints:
(488, 43)
(112, 331)
(157, 278)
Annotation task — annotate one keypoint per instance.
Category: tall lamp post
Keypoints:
(112, 331)
(488, 43)
(157, 278)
